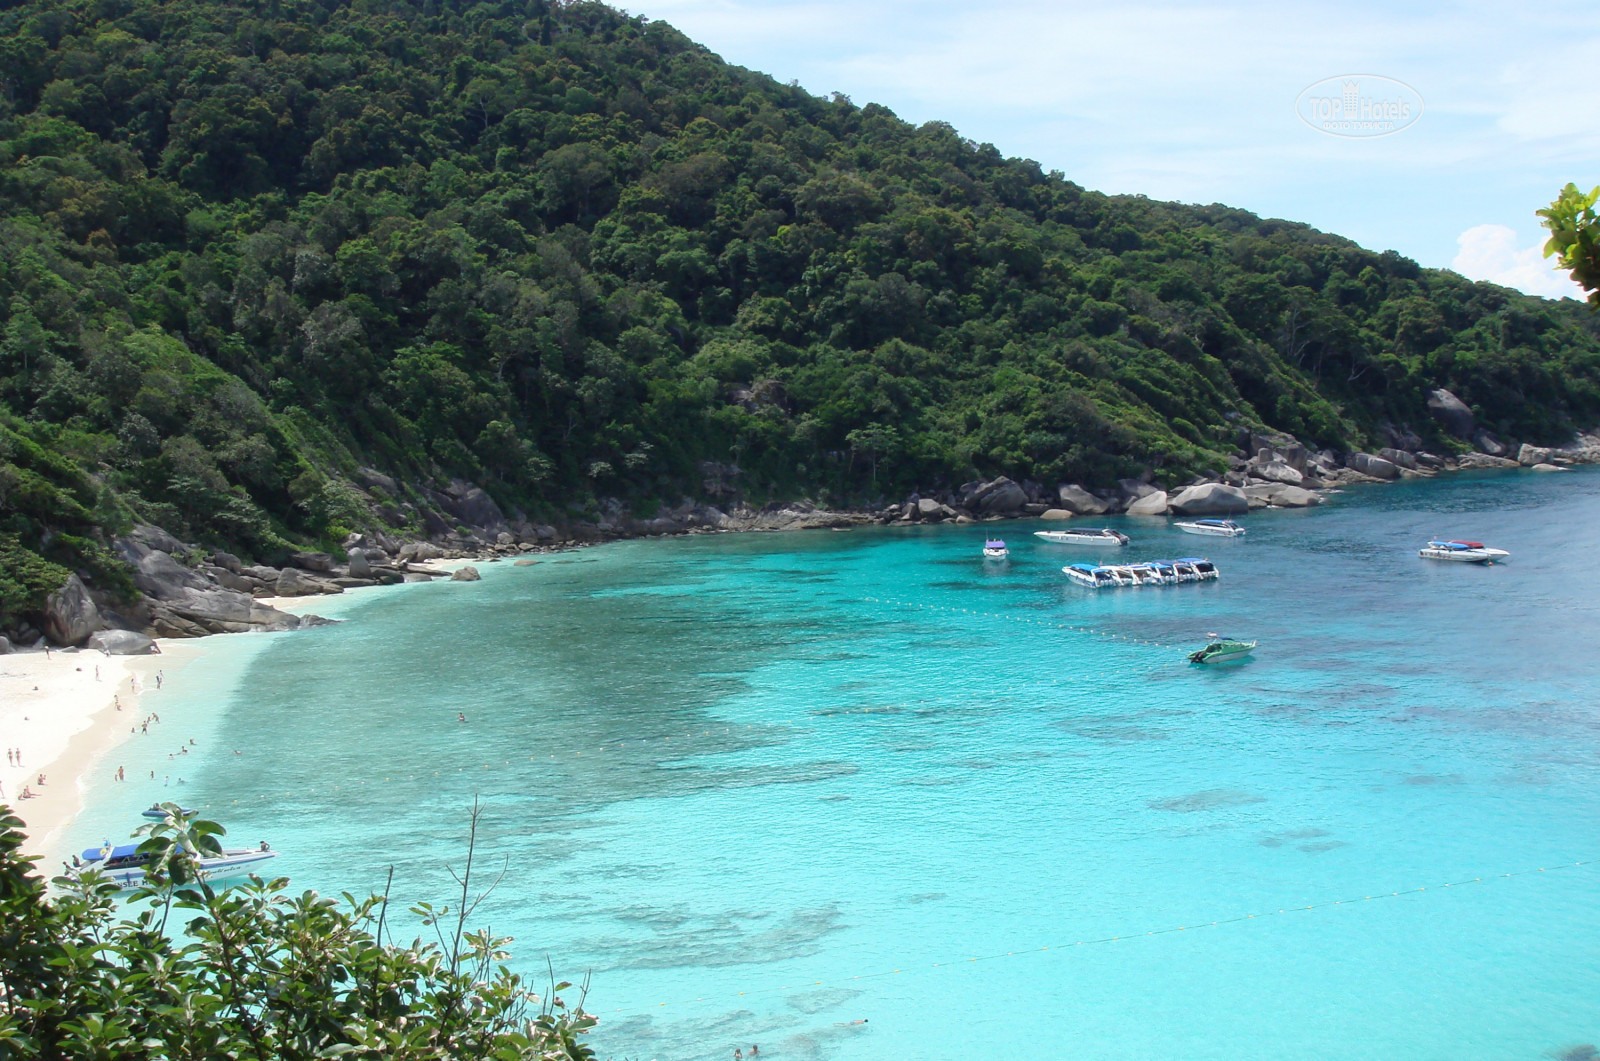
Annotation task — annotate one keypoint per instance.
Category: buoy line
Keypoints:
(772, 992)
(1022, 619)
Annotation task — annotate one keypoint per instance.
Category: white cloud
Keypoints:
(1490, 252)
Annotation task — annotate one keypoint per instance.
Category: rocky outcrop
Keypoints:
(5, 646)
(1055, 514)
(996, 497)
(360, 566)
(292, 582)
(1278, 471)
(183, 602)
(465, 574)
(1080, 502)
(1487, 443)
(1369, 464)
(1283, 495)
(312, 561)
(1469, 461)
(1528, 456)
(70, 615)
(1151, 504)
(121, 643)
(1453, 414)
(1209, 499)
(1400, 458)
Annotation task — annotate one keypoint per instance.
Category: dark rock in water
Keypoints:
(465, 574)
(307, 622)
(524, 563)
(1209, 499)
(312, 561)
(1078, 501)
(70, 615)
(121, 643)
(1377, 467)
(1453, 414)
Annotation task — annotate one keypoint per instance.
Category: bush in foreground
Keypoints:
(257, 974)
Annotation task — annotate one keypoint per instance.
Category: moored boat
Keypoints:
(995, 549)
(1149, 573)
(124, 864)
(1224, 650)
(156, 813)
(1462, 552)
(1220, 528)
(1098, 536)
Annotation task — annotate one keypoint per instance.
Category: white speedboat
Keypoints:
(1220, 528)
(995, 549)
(1100, 536)
(124, 865)
(1462, 552)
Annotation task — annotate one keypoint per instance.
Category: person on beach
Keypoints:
(158, 684)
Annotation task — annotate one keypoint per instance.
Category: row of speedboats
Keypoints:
(1216, 528)
(1149, 573)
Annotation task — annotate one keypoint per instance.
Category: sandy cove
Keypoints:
(61, 710)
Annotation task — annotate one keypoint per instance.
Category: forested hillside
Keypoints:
(250, 247)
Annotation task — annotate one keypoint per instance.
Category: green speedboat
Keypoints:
(1224, 651)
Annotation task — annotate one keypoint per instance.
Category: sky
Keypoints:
(1197, 102)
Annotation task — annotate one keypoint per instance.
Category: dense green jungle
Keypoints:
(253, 250)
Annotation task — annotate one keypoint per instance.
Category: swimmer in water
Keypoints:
(461, 716)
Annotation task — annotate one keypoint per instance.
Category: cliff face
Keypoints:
(277, 272)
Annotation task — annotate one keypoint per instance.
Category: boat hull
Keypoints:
(1078, 538)
(1211, 531)
(1464, 556)
(232, 864)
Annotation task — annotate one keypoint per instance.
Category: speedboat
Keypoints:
(1151, 573)
(1462, 552)
(124, 864)
(1101, 536)
(1221, 528)
(995, 549)
(158, 814)
(1223, 651)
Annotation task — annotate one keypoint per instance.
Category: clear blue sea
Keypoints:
(785, 788)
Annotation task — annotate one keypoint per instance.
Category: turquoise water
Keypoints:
(764, 787)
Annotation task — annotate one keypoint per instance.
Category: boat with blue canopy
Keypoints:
(124, 864)
(1462, 552)
(995, 549)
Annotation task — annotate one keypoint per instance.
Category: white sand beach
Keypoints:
(62, 712)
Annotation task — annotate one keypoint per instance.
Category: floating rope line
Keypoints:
(1024, 619)
(1123, 938)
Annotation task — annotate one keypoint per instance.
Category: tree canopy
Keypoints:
(251, 247)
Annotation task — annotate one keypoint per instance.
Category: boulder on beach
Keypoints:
(1055, 513)
(1453, 414)
(1528, 456)
(1077, 500)
(1278, 472)
(312, 561)
(929, 509)
(294, 583)
(359, 567)
(70, 614)
(5, 646)
(997, 497)
(1282, 495)
(1487, 443)
(1375, 466)
(1209, 499)
(1153, 504)
(1400, 458)
(121, 643)
(1483, 460)
(465, 574)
